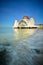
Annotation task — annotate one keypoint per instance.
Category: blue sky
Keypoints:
(16, 9)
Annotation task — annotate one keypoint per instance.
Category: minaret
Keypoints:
(31, 22)
(16, 23)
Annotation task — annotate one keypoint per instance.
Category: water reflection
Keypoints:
(21, 34)
(28, 52)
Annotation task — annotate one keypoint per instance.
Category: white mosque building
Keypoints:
(25, 22)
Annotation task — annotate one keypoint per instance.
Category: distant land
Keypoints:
(40, 26)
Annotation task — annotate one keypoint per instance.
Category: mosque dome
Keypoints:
(24, 22)
(25, 17)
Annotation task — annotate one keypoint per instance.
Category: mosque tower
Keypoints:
(31, 22)
(16, 23)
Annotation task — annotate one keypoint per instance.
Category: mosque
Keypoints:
(26, 22)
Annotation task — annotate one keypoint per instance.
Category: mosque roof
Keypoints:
(25, 17)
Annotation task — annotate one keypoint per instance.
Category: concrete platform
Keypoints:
(25, 27)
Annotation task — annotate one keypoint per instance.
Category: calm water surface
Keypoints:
(21, 46)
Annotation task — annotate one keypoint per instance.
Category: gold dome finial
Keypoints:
(25, 17)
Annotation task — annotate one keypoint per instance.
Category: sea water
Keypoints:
(21, 46)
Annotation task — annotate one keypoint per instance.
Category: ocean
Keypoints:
(21, 46)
